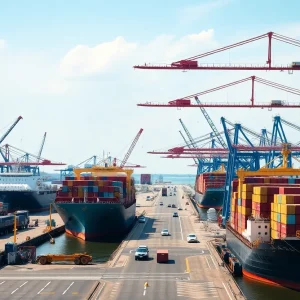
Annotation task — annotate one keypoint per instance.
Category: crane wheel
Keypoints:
(84, 260)
(43, 260)
(77, 261)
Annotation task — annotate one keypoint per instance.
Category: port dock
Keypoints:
(194, 270)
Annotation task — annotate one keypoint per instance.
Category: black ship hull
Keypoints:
(32, 201)
(277, 263)
(212, 198)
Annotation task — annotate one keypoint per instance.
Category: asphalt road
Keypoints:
(126, 278)
(44, 289)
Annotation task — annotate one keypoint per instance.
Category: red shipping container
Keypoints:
(289, 190)
(288, 229)
(297, 227)
(297, 219)
(278, 180)
(262, 207)
(247, 203)
(278, 226)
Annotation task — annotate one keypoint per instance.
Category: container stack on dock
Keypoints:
(210, 180)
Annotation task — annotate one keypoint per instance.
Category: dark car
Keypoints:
(173, 206)
(175, 214)
(169, 205)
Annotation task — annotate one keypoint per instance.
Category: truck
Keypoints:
(164, 192)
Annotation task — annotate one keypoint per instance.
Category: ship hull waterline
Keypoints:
(96, 221)
(276, 264)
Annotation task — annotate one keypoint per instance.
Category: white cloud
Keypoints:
(84, 60)
(194, 12)
(3, 44)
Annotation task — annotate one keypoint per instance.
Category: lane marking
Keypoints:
(145, 289)
(187, 266)
(2, 282)
(207, 262)
(226, 290)
(213, 261)
(18, 287)
(44, 287)
(181, 228)
(68, 288)
(100, 291)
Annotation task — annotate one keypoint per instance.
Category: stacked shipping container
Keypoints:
(93, 189)
(209, 180)
(277, 199)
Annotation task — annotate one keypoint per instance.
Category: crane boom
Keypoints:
(131, 148)
(212, 125)
(187, 145)
(41, 148)
(6, 134)
(188, 134)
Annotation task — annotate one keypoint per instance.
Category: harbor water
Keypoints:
(66, 244)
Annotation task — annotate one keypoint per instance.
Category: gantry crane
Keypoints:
(186, 101)
(124, 161)
(5, 157)
(191, 63)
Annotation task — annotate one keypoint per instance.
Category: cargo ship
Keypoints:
(209, 189)
(26, 191)
(100, 206)
(264, 229)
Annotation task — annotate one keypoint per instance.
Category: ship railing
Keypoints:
(240, 237)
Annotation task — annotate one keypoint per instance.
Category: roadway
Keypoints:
(192, 271)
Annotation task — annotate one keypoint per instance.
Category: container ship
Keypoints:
(26, 191)
(209, 189)
(98, 206)
(264, 229)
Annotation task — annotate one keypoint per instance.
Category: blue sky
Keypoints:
(67, 69)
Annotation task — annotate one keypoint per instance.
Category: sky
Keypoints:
(67, 69)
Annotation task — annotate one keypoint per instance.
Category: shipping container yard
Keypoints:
(102, 229)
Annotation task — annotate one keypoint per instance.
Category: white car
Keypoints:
(192, 238)
(165, 232)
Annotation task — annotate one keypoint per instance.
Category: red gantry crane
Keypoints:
(191, 63)
(186, 101)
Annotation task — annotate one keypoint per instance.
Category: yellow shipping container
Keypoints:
(260, 190)
(287, 199)
(235, 195)
(275, 198)
(232, 207)
(247, 187)
(273, 224)
(275, 216)
(287, 209)
(277, 207)
(246, 211)
(272, 215)
(239, 209)
(259, 198)
(275, 234)
(246, 195)
(272, 207)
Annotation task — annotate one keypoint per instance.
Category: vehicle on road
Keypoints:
(179, 208)
(192, 238)
(169, 205)
(141, 219)
(175, 214)
(170, 194)
(138, 205)
(173, 206)
(161, 203)
(165, 232)
(164, 192)
(141, 253)
(148, 198)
